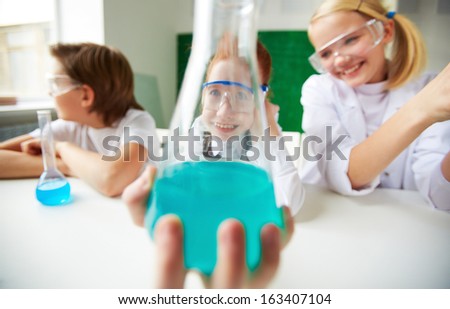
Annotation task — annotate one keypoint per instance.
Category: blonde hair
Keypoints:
(408, 55)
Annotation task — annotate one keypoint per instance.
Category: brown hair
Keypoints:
(228, 48)
(106, 71)
(264, 63)
(408, 57)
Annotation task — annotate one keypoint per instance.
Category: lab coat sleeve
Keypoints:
(432, 146)
(288, 188)
(327, 144)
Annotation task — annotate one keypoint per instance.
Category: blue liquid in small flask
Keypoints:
(53, 189)
(220, 103)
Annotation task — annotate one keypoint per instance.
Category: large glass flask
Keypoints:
(53, 188)
(214, 163)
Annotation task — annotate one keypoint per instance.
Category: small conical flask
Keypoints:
(53, 188)
(214, 165)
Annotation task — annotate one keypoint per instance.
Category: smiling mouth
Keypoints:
(352, 69)
(225, 126)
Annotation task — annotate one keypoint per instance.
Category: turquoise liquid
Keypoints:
(203, 194)
(53, 192)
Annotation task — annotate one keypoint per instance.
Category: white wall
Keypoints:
(144, 30)
(274, 14)
(435, 30)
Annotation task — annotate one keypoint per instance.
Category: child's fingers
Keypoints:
(170, 271)
(32, 147)
(136, 194)
(270, 257)
(231, 269)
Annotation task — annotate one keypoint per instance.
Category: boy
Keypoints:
(93, 90)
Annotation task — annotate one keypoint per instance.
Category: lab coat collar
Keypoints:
(351, 112)
(397, 98)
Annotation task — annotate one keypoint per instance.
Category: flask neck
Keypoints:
(213, 19)
(47, 146)
(48, 156)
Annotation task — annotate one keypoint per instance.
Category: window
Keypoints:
(27, 28)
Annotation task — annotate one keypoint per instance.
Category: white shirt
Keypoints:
(331, 102)
(137, 126)
(373, 102)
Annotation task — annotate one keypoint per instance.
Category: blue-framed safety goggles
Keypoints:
(264, 88)
(238, 95)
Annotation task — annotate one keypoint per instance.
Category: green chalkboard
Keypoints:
(290, 68)
(147, 95)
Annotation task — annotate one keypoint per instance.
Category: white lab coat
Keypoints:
(328, 101)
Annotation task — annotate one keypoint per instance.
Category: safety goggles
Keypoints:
(355, 43)
(238, 95)
(59, 84)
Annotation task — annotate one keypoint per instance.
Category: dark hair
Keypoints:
(264, 63)
(106, 70)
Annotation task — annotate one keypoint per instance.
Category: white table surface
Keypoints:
(389, 239)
